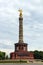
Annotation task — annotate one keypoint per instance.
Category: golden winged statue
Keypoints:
(20, 10)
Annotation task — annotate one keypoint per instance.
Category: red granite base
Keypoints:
(20, 52)
(22, 55)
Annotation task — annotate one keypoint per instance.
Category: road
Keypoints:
(21, 64)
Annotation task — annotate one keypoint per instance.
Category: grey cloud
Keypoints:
(4, 46)
(33, 20)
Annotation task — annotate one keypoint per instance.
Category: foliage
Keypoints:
(38, 54)
(2, 55)
(7, 57)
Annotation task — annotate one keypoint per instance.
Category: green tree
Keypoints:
(41, 55)
(36, 54)
(2, 55)
(7, 57)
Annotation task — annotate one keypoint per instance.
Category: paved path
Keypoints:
(21, 64)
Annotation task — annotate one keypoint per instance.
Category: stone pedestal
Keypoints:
(20, 47)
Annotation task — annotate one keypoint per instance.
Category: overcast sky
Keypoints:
(32, 24)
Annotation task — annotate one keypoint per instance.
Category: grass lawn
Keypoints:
(12, 61)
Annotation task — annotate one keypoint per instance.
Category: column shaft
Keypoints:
(20, 29)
